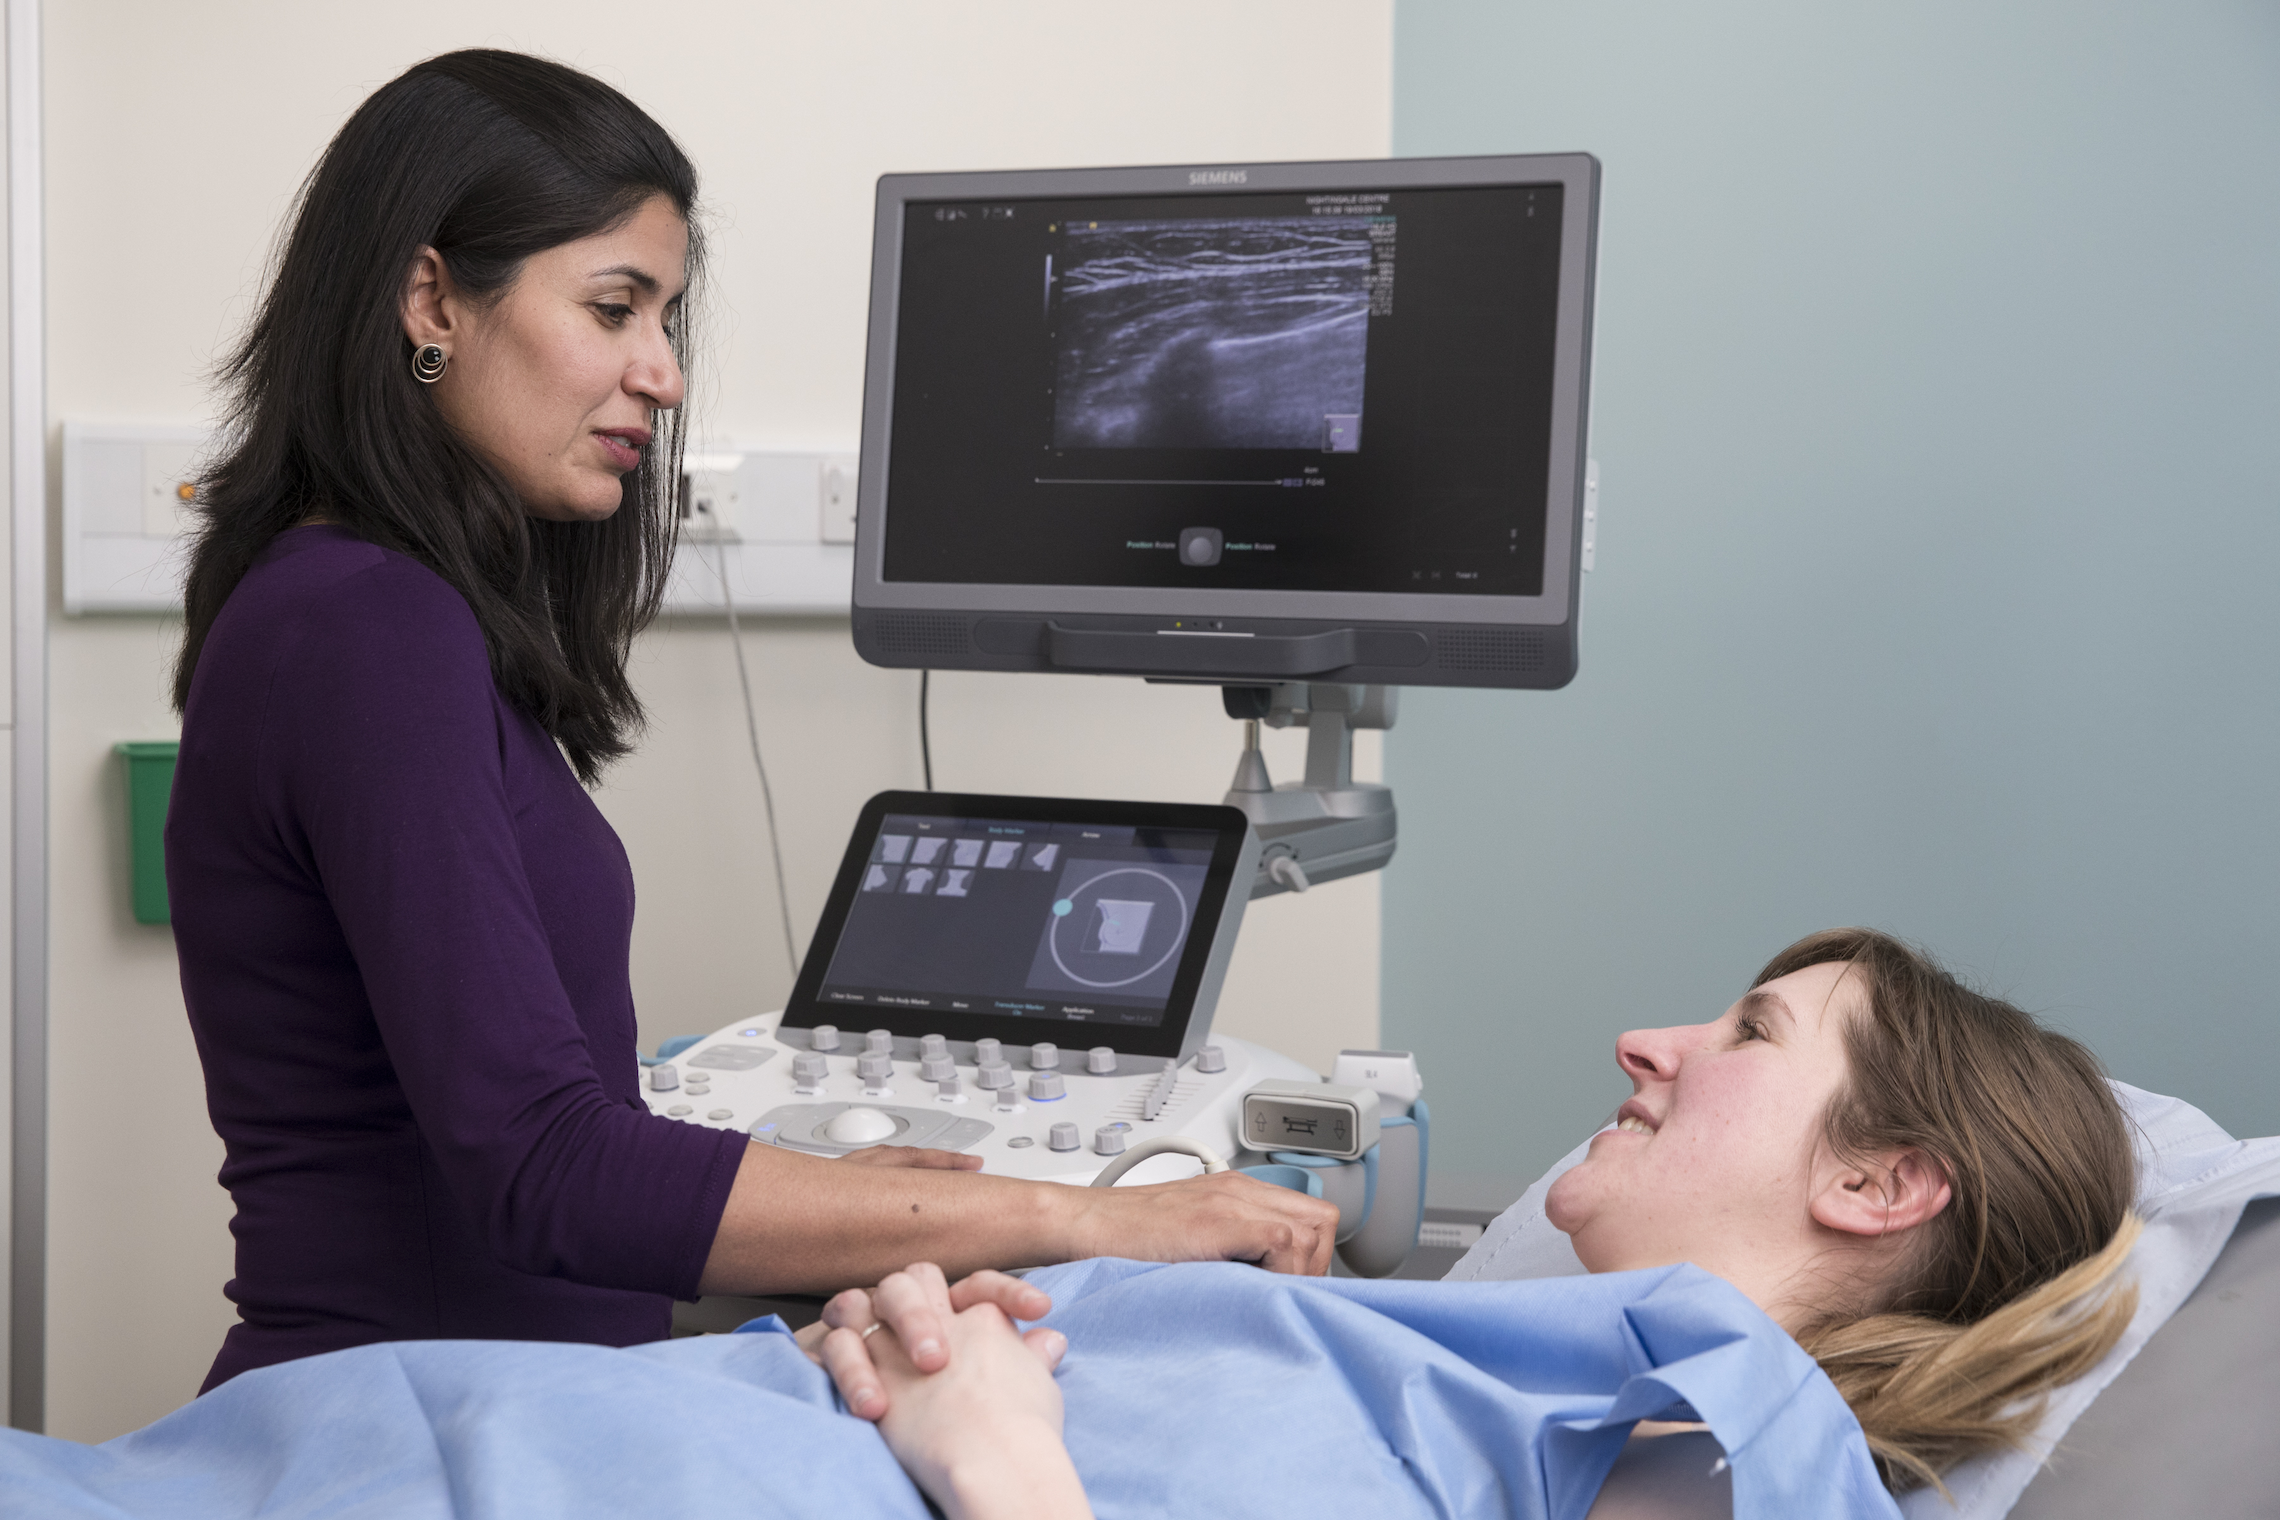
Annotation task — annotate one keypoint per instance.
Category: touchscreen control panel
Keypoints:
(1016, 919)
(1064, 922)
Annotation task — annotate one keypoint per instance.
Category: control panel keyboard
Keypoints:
(1028, 1111)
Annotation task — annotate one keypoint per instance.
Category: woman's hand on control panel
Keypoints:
(1223, 1217)
(908, 1304)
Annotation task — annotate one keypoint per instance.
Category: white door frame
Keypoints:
(26, 1106)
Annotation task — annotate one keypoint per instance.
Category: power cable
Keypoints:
(752, 732)
(925, 743)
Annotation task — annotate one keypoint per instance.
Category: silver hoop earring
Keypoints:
(428, 361)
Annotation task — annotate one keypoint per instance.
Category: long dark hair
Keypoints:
(488, 157)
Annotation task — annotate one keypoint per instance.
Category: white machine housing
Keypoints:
(740, 1075)
(948, 1062)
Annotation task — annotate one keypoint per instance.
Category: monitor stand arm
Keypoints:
(1328, 825)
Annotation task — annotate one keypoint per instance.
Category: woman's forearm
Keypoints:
(806, 1224)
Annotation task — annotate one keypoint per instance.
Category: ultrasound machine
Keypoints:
(1303, 432)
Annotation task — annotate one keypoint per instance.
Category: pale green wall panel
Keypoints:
(1939, 425)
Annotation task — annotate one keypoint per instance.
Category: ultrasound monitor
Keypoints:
(1028, 920)
(1239, 423)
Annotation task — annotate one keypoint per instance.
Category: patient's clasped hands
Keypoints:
(965, 1401)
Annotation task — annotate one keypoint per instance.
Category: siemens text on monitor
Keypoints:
(1254, 423)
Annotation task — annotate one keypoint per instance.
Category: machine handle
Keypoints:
(1273, 656)
(1200, 654)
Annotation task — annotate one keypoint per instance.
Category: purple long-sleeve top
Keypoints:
(403, 929)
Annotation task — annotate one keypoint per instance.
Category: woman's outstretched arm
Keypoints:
(805, 1224)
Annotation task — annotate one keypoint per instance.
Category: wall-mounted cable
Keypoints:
(752, 732)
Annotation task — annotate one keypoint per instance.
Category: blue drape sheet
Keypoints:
(1201, 1390)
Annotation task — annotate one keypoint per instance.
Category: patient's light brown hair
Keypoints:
(2012, 1290)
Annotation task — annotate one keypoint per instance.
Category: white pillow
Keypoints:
(2193, 1181)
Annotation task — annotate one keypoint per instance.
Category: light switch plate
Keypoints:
(123, 514)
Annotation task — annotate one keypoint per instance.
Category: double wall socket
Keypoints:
(762, 497)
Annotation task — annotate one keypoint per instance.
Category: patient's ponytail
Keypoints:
(1929, 1393)
(2015, 1289)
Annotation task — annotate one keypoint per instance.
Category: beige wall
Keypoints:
(176, 135)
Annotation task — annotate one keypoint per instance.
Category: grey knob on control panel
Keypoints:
(1210, 1060)
(1101, 1061)
(994, 1075)
(1109, 1140)
(1062, 1137)
(937, 1068)
(931, 1046)
(664, 1078)
(986, 1051)
(824, 1037)
(1044, 1056)
(874, 1066)
(1045, 1086)
(808, 1068)
(879, 1042)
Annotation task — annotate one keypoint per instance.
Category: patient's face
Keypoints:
(1712, 1159)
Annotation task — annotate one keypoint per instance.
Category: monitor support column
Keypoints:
(1328, 825)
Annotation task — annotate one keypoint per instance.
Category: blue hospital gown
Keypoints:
(1192, 1391)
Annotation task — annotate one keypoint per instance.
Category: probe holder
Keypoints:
(1328, 825)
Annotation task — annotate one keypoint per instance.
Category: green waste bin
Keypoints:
(150, 783)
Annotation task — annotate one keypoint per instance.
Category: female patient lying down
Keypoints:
(1916, 1185)
(1925, 1189)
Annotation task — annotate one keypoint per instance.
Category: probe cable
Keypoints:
(752, 732)
(925, 744)
(1141, 1152)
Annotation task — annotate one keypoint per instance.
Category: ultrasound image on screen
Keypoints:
(1211, 334)
(1227, 391)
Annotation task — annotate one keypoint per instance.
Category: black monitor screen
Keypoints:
(1346, 391)
(959, 917)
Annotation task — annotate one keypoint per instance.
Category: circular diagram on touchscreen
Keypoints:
(1104, 926)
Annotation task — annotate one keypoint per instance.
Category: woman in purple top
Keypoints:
(403, 925)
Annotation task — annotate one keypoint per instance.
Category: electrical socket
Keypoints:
(709, 498)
